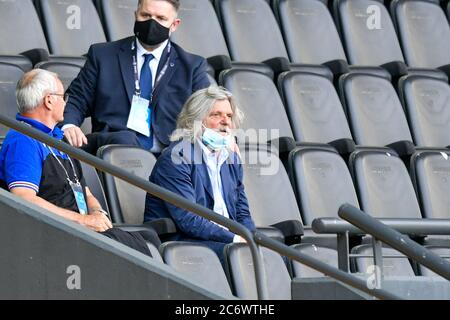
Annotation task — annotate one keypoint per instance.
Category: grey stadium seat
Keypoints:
(424, 33)
(258, 98)
(426, 101)
(126, 202)
(9, 76)
(365, 46)
(118, 17)
(239, 265)
(383, 184)
(251, 30)
(326, 255)
(264, 175)
(199, 31)
(93, 182)
(430, 171)
(374, 110)
(314, 109)
(20, 28)
(309, 31)
(71, 26)
(21, 61)
(392, 267)
(321, 181)
(197, 263)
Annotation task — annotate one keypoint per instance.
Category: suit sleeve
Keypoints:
(176, 178)
(242, 208)
(82, 92)
(200, 78)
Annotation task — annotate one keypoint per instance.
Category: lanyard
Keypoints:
(137, 86)
(62, 166)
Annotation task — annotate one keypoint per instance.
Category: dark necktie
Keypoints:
(145, 82)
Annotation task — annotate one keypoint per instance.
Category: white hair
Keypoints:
(198, 107)
(32, 88)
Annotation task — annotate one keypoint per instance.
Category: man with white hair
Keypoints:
(45, 176)
(202, 165)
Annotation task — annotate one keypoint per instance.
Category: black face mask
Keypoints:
(151, 32)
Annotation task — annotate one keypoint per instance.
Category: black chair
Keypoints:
(426, 102)
(424, 33)
(9, 76)
(70, 26)
(239, 265)
(117, 17)
(326, 255)
(126, 202)
(20, 28)
(197, 263)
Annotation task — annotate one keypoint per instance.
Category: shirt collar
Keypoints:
(157, 53)
(56, 132)
(209, 154)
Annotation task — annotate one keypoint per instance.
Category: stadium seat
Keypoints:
(392, 266)
(93, 182)
(424, 33)
(441, 251)
(326, 255)
(239, 265)
(67, 72)
(20, 29)
(21, 61)
(155, 253)
(426, 102)
(314, 109)
(303, 23)
(383, 184)
(375, 113)
(199, 31)
(71, 26)
(117, 17)
(258, 98)
(264, 175)
(9, 76)
(126, 202)
(198, 263)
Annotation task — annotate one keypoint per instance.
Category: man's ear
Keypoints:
(175, 25)
(48, 102)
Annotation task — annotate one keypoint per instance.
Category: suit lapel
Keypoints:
(227, 187)
(126, 66)
(173, 63)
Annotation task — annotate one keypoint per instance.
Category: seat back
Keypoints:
(197, 263)
(251, 30)
(392, 267)
(93, 182)
(9, 76)
(258, 98)
(426, 101)
(118, 17)
(199, 31)
(325, 255)
(21, 61)
(383, 184)
(423, 31)
(66, 72)
(374, 110)
(242, 275)
(372, 46)
(20, 29)
(71, 26)
(303, 22)
(126, 202)
(313, 106)
(431, 174)
(265, 175)
(322, 182)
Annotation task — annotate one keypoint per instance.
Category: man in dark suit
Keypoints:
(203, 165)
(134, 88)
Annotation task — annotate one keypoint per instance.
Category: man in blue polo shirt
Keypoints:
(43, 175)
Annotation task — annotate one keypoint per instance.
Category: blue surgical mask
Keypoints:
(215, 140)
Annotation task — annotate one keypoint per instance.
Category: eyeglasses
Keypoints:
(65, 96)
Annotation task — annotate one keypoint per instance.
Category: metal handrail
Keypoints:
(157, 191)
(252, 239)
(395, 240)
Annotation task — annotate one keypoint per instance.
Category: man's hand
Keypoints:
(96, 221)
(75, 136)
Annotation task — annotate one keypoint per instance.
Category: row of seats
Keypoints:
(247, 30)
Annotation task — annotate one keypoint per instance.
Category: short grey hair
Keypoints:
(198, 107)
(33, 87)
